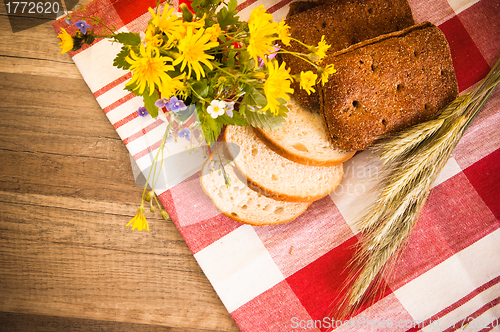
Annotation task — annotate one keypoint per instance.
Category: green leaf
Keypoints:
(254, 97)
(237, 119)
(149, 103)
(264, 120)
(201, 88)
(128, 38)
(231, 58)
(211, 128)
(227, 16)
(120, 61)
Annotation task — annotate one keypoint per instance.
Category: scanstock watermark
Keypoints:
(24, 15)
(376, 324)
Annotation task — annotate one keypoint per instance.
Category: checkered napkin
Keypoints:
(289, 277)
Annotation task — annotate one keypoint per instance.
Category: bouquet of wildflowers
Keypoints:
(200, 67)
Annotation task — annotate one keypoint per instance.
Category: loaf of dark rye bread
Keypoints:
(343, 23)
(387, 84)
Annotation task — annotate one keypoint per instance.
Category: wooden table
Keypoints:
(67, 261)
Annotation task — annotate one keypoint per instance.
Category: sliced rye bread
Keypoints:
(275, 176)
(387, 84)
(303, 139)
(239, 202)
(343, 23)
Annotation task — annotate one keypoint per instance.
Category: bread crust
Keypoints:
(264, 190)
(343, 23)
(237, 217)
(387, 84)
(273, 145)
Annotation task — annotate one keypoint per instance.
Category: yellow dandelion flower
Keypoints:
(325, 72)
(277, 86)
(192, 52)
(66, 43)
(321, 49)
(173, 86)
(284, 32)
(214, 31)
(148, 69)
(139, 222)
(262, 34)
(308, 81)
(151, 38)
(259, 17)
(168, 22)
(193, 25)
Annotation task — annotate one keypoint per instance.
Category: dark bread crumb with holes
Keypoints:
(343, 23)
(387, 84)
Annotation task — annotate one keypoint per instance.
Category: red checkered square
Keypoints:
(475, 19)
(276, 310)
(199, 231)
(470, 65)
(296, 244)
(448, 224)
(129, 10)
(321, 285)
(485, 177)
(206, 232)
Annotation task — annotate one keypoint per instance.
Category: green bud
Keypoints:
(165, 215)
(89, 38)
(187, 16)
(149, 196)
(152, 209)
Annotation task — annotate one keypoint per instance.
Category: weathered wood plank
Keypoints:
(76, 258)
(67, 261)
(14, 322)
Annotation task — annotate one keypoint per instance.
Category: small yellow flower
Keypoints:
(262, 34)
(308, 81)
(319, 52)
(325, 72)
(259, 17)
(284, 32)
(66, 43)
(168, 22)
(277, 86)
(197, 24)
(151, 38)
(148, 69)
(173, 86)
(214, 31)
(139, 222)
(192, 52)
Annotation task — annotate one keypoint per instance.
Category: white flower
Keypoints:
(216, 108)
(229, 109)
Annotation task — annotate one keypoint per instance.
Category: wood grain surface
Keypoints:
(67, 261)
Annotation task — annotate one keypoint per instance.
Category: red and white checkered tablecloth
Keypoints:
(449, 273)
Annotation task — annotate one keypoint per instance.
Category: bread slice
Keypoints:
(239, 202)
(343, 23)
(275, 176)
(387, 84)
(303, 139)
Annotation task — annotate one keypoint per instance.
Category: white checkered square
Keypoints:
(239, 267)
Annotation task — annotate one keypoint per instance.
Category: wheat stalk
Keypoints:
(412, 159)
